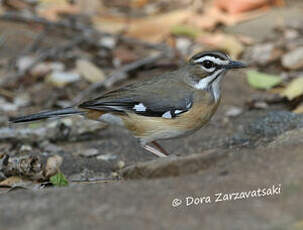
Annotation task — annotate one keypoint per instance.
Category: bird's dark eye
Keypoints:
(208, 64)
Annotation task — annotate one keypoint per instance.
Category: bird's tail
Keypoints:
(47, 114)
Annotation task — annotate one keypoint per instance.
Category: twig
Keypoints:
(40, 58)
(118, 75)
(35, 44)
(86, 33)
(84, 29)
(95, 180)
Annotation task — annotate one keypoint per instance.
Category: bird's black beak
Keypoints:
(235, 65)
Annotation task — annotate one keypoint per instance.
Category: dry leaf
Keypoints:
(89, 7)
(89, 71)
(14, 181)
(299, 109)
(262, 80)
(138, 3)
(225, 42)
(50, 9)
(294, 89)
(152, 28)
(238, 6)
(214, 16)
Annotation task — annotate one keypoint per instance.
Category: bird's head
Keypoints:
(209, 67)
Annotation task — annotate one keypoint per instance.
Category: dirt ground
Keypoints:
(259, 148)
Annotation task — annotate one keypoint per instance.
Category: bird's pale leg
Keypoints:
(154, 151)
(160, 148)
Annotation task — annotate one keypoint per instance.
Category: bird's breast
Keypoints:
(155, 128)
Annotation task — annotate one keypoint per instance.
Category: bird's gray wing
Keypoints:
(163, 96)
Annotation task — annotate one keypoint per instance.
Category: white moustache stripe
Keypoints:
(204, 83)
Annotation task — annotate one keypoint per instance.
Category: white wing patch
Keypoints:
(167, 115)
(177, 111)
(139, 107)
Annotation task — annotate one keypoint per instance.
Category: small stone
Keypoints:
(89, 71)
(293, 59)
(291, 34)
(90, 153)
(260, 105)
(53, 164)
(114, 174)
(24, 62)
(120, 164)
(6, 106)
(263, 54)
(25, 149)
(233, 111)
(22, 100)
(108, 42)
(60, 79)
(46, 67)
(183, 45)
(49, 147)
(106, 157)
(3, 120)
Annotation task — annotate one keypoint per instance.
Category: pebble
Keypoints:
(120, 164)
(183, 45)
(89, 71)
(263, 54)
(234, 111)
(46, 67)
(7, 106)
(293, 59)
(89, 153)
(108, 42)
(60, 79)
(24, 62)
(106, 157)
(25, 149)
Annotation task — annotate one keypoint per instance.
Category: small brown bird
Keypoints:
(171, 105)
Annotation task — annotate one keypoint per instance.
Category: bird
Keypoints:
(167, 106)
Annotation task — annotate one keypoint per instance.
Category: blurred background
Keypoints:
(57, 53)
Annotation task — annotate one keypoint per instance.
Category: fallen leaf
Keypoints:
(50, 9)
(14, 181)
(186, 30)
(221, 41)
(294, 89)
(299, 109)
(213, 16)
(261, 80)
(59, 180)
(152, 28)
(238, 6)
(89, 7)
(89, 71)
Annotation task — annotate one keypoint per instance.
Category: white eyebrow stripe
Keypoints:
(213, 59)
